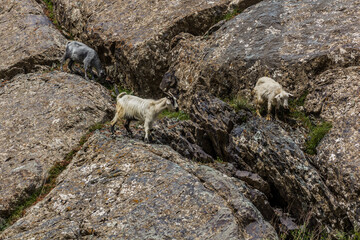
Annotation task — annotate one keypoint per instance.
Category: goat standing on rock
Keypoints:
(79, 52)
(133, 108)
(267, 89)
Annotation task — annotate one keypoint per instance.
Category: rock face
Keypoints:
(253, 171)
(335, 96)
(290, 41)
(268, 150)
(42, 117)
(268, 153)
(133, 38)
(123, 188)
(29, 41)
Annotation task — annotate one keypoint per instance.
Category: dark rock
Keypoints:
(335, 96)
(216, 120)
(254, 180)
(29, 41)
(123, 188)
(133, 38)
(42, 117)
(181, 136)
(294, 182)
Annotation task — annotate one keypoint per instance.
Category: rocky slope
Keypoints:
(290, 41)
(126, 189)
(225, 174)
(133, 37)
(43, 116)
(29, 41)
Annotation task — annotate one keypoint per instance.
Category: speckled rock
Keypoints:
(291, 41)
(185, 137)
(132, 38)
(335, 96)
(42, 117)
(120, 188)
(296, 185)
(29, 41)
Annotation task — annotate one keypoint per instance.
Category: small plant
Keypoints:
(50, 7)
(316, 134)
(316, 131)
(230, 15)
(218, 159)
(180, 115)
(240, 103)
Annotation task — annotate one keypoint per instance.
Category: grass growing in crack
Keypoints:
(219, 160)
(180, 115)
(230, 15)
(50, 181)
(306, 234)
(316, 134)
(316, 131)
(50, 8)
(240, 103)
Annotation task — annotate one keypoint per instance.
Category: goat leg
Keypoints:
(112, 129)
(127, 127)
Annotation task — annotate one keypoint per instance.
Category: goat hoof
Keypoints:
(268, 118)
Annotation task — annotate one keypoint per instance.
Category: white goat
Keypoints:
(133, 108)
(79, 52)
(266, 89)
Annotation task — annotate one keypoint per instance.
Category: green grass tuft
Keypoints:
(180, 115)
(316, 134)
(50, 7)
(303, 233)
(219, 160)
(240, 103)
(316, 131)
(230, 15)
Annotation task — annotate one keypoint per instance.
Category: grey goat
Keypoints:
(81, 53)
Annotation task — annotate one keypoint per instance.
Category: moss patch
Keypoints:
(316, 134)
(50, 11)
(50, 181)
(180, 115)
(306, 234)
(240, 103)
(316, 130)
(230, 15)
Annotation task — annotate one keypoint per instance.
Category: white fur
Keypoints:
(268, 90)
(134, 108)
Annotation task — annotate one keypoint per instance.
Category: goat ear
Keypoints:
(277, 97)
(168, 102)
(290, 95)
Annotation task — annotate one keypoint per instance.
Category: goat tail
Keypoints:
(120, 95)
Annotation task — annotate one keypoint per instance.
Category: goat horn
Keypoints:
(169, 94)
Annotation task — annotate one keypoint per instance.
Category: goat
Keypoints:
(267, 89)
(133, 108)
(79, 52)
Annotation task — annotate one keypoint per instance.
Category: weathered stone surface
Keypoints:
(290, 41)
(182, 136)
(42, 117)
(295, 183)
(29, 41)
(122, 188)
(216, 119)
(133, 38)
(335, 96)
